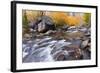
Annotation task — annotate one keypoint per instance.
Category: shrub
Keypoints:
(86, 18)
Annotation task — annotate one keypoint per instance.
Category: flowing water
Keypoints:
(43, 49)
(48, 49)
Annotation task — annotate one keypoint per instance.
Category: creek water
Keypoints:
(40, 50)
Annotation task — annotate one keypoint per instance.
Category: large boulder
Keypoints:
(43, 24)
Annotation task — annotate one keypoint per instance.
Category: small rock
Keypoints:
(49, 32)
(60, 57)
(27, 36)
(74, 52)
(59, 45)
(86, 54)
(72, 27)
(65, 28)
(84, 43)
(45, 40)
(83, 29)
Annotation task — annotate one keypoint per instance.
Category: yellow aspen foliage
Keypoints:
(58, 17)
(73, 20)
(62, 18)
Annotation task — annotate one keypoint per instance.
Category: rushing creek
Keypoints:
(48, 49)
(40, 49)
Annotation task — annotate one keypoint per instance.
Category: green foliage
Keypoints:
(25, 20)
(25, 23)
(87, 17)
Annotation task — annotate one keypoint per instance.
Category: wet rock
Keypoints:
(44, 24)
(76, 42)
(60, 55)
(30, 41)
(41, 27)
(50, 32)
(65, 28)
(88, 34)
(75, 35)
(62, 43)
(72, 29)
(74, 52)
(33, 24)
(84, 38)
(86, 54)
(27, 36)
(44, 40)
(48, 20)
(83, 29)
(40, 35)
(59, 46)
(84, 43)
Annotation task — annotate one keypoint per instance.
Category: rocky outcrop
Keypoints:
(43, 24)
